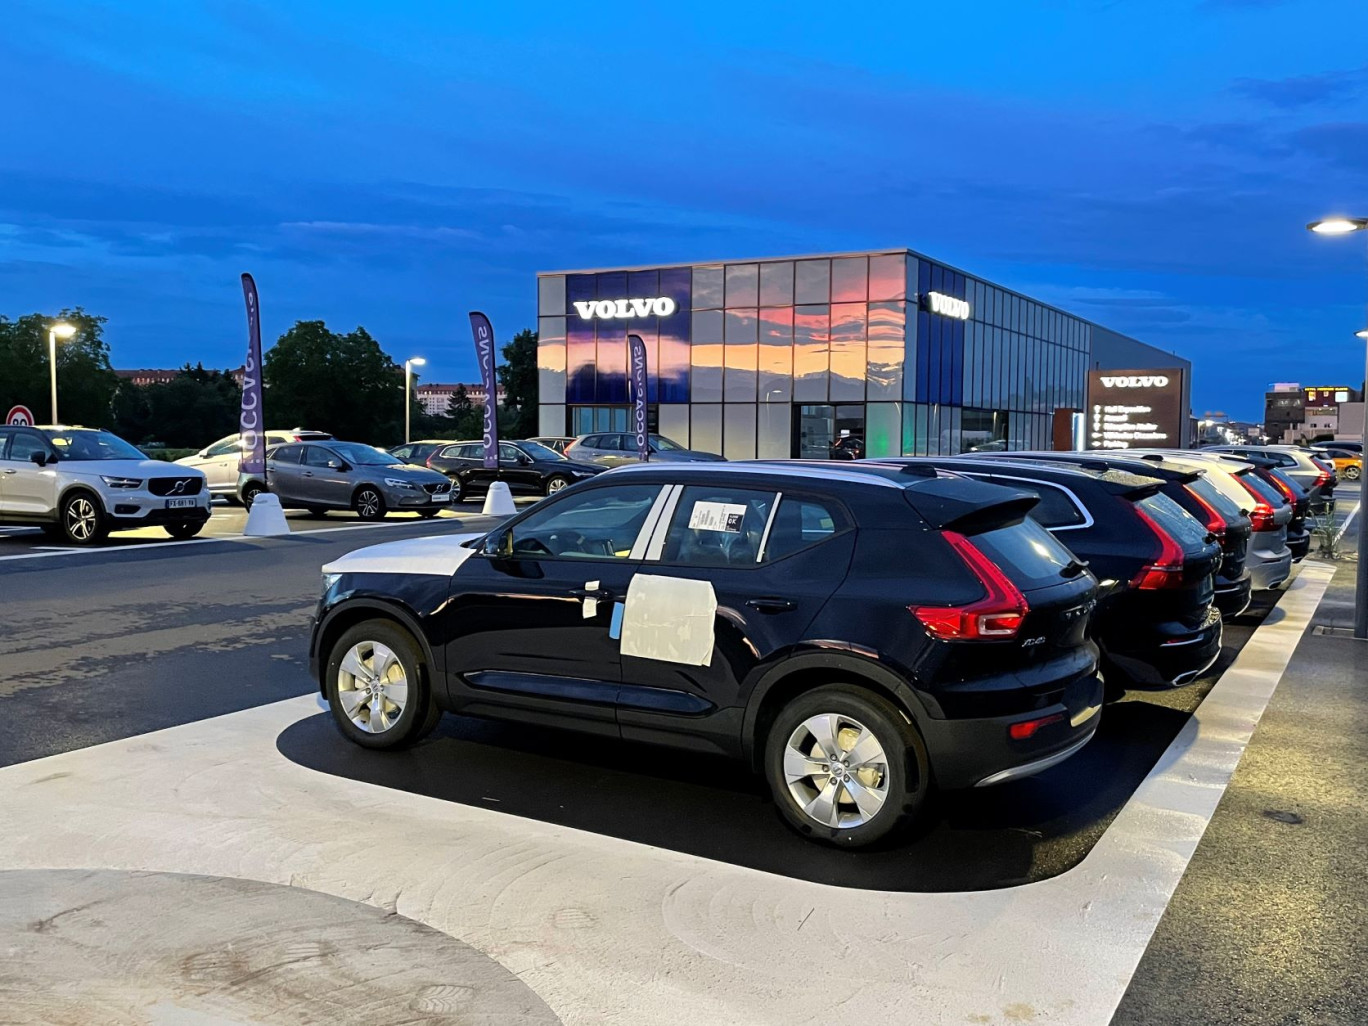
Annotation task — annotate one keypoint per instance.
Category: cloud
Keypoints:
(1305, 90)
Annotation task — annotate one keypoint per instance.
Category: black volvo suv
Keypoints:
(859, 635)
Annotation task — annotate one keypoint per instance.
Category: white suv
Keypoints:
(78, 484)
(219, 462)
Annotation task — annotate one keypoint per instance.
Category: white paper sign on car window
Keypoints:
(717, 516)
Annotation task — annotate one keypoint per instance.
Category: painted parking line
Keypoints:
(607, 930)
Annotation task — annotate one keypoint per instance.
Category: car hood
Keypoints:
(588, 468)
(407, 472)
(437, 556)
(687, 456)
(127, 468)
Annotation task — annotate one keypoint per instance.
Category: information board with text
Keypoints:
(1136, 409)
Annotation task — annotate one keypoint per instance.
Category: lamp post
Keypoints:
(55, 331)
(409, 364)
(1345, 226)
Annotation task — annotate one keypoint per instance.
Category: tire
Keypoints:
(897, 771)
(184, 529)
(409, 709)
(457, 490)
(369, 503)
(318, 512)
(82, 520)
(250, 492)
(555, 483)
(1353, 473)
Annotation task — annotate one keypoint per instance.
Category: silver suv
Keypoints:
(78, 484)
(319, 476)
(220, 461)
(615, 448)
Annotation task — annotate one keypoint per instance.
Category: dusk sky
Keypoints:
(1147, 165)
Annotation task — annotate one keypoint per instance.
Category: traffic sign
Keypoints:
(20, 415)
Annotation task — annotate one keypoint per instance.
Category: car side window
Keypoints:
(5, 435)
(23, 444)
(718, 526)
(317, 456)
(468, 452)
(228, 446)
(799, 522)
(601, 523)
(591, 442)
(511, 453)
(288, 454)
(403, 451)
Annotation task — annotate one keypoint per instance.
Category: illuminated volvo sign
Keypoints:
(946, 306)
(1136, 409)
(660, 306)
(1134, 381)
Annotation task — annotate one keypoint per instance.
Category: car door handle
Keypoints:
(771, 605)
(9, 470)
(308, 473)
(595, 593)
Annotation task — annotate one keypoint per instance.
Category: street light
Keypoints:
(1345, 226)
(55, 331)
(409, 364)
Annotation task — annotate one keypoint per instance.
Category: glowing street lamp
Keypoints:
(1347, 226)
(409, 364)
(55, 331)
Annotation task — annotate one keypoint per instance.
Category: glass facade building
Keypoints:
(876, 353)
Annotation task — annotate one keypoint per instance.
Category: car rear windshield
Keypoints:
(1266, 491)
(1025, 552)
(1215, 498)
(1187, 531)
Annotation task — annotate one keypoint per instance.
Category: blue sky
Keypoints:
(1148, 165)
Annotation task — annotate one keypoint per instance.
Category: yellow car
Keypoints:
(1348, 465)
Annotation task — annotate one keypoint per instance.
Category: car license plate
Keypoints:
(441, 497)
(180, 503)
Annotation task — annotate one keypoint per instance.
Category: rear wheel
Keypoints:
(369, 503)
(1352, 473)
(250, 492)
(378, 686)
(184, 529)
(845, 767)
(316, 511)
(83, 521)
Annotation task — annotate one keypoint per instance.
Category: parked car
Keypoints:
(220, 462)
(1348, 463)
(78, 484)
(858, 636)
(613, 449)
(1298, 464)
(527, 467)
(1269, 558)
(1199, 498)
(1155, 622)
(322, 476)
(556, 442)
(1343, 446)
(417, 453)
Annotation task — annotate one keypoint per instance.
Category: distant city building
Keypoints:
(161, 375)
(436, 398)
(1284, 409)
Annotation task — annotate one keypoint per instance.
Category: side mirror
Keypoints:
(40, 458)
(498, 545)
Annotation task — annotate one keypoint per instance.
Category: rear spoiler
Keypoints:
(969, 506)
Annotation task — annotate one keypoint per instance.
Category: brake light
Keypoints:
(1284, 488)
(999, 614)
(1214, 521)
(1322, 480)
(1167, 570)
(1261, 517)
(1026, 729)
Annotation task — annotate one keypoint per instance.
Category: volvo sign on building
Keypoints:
(1133, 409)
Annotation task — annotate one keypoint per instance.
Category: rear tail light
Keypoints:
(1026, 729)
(1214, 521)
(999, 614)
(1261, 517)
(1167, 570)
(1322, 480)
(1283, 487)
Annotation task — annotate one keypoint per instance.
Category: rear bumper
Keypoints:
(1232, 597)
(1299, 545)
(1268, 571)
(979, 752)
(1166, 655)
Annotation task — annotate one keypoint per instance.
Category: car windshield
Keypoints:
(92, 445)
(665, 445)
(365, 455)
(540, 452)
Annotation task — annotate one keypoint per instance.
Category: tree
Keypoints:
(518, 376)
(343, 384)
(189, 411)
(466, 419)
(85, 380)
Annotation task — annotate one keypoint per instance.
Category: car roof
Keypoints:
(1121, 478)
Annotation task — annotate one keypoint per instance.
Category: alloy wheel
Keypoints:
(555, 485)
(82, 519)
(836, 771)
(372, 686)
(368, 503)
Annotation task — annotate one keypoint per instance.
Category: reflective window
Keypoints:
(850, 280)
(287, 454)
(601, 523)
(848, 358)
(887, 343)
(580, 348)
(674, 335)
(551, 295)
(718, 526)
(740, 325)
(799, 523)
(812, 281)
(775, 360)
(743, 285)
(887, 278)
(707, 288)
(776, 283)
(740, 374)
(811, 358)
(551, 359)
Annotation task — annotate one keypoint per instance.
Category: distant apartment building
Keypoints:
(436, 398)
(162, 375)
(1295, 413)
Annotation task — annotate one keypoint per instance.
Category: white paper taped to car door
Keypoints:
(669, 619)
(717, 516)
(590, 601)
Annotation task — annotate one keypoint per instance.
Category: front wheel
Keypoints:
(83, 522)
(555, 483)
(377, 686)
(184, 529)
(250, 492)
(845, 767)
(1352, 473)
(369, 503)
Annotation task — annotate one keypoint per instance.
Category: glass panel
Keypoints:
(883, 431)
(887, 277)
(811, 356)
(850, 280)
(707, 288)
(776, 284)
(774, 431)
(812, 281)
(732, 540)
(551, 420)
(611, 337)
(743, 284)
(740, 325)
(915, 324)
(775, 363)
(675, 332)
(593, 525)
(580, 348)
(674, 423)
(740, 374)
(738, 429)
(705, 427)
(848, 360)
(551, 295)
(816, 431)
(705, 384)
(887, 344)
(799, 524)
(983, 430)
(551, 361)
